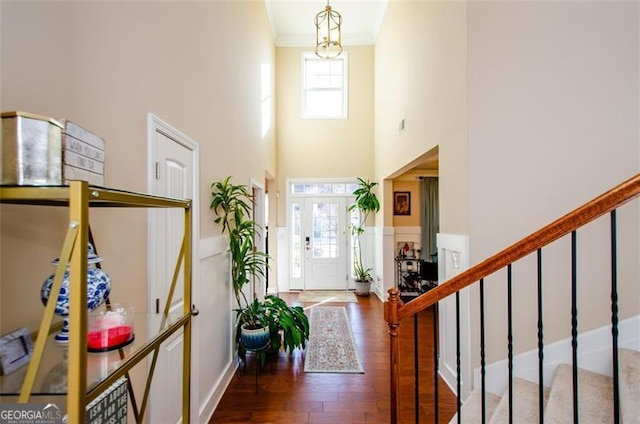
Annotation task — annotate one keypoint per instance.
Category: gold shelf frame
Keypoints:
(79, 197)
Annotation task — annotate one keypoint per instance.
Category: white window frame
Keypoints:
(345, 87)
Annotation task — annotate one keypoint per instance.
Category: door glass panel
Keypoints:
(354, 219)
(296, 241)
(325, 230)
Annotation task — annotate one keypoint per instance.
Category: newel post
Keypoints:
(391, 316)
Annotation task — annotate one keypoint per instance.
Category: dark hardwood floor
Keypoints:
(289, 395)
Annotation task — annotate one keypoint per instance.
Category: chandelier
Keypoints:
(328, 33)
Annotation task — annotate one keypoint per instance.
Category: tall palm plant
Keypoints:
(366, 202)
(232, 204)
(287, 325)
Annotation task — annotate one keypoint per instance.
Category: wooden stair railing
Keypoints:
(395, 310)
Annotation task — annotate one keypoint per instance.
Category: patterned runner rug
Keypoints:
(331, 346)
(326, 296)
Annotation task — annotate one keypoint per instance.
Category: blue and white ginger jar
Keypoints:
(98, 289)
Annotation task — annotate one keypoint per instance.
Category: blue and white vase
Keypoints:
(98, 289)
(254, 339)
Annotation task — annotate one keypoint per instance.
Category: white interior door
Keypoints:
(259, 283)
(173, 171)
(325, 243)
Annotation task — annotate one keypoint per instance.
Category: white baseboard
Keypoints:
(594, 354)
(212, 399)
(382, 295)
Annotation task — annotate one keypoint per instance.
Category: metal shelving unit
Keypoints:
(412, 278)
(79, 197)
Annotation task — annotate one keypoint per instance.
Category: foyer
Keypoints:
(288, 395)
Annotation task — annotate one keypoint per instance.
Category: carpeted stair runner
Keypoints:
(595, 398)
(471, 410)
(629, 366)
(525, 404)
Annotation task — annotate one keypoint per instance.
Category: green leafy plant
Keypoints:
(288, 325)
(366, 202)
(232, 204)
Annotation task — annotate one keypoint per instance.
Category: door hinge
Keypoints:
(157, 170)
(157, 306)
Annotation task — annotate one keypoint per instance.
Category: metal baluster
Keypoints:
(482, 354)
(510, 341)
(540, 343)
(574, 322)
(416, 374)
(614, 317)
(458, 379)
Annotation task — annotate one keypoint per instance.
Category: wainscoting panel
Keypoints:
(453, 258)
(386, 258)
(216, 362)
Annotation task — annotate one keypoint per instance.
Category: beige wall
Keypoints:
(412, 220)
(420, 61)
(105, 65)
(553, 122)
(534, 107)
(321, 148)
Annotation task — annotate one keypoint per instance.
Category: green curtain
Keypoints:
(429, 217)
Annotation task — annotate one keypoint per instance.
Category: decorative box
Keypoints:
(31, 149)
(82, 154)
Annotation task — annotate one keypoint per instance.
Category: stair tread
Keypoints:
(629, 371)
(471, 411)
(525, 404)
(595, 397)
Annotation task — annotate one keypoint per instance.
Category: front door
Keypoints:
(325, 243)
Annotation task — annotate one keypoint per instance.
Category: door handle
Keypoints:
(307, 243)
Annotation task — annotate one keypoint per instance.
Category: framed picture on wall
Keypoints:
(402, 203)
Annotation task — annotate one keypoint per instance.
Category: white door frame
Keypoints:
(311, 264)
(258, 216)
(155, 124)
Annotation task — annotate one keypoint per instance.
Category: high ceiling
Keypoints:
(292, 21)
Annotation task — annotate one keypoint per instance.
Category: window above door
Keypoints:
(324, 87)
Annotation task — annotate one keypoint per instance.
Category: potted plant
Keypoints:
(366, 202)
(232, 204)
(252, 333)
(288, 325)
(275, 321)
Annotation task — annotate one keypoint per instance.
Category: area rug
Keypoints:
(331, 347)
(326, 296)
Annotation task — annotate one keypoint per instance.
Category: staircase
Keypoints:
(595, 398)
